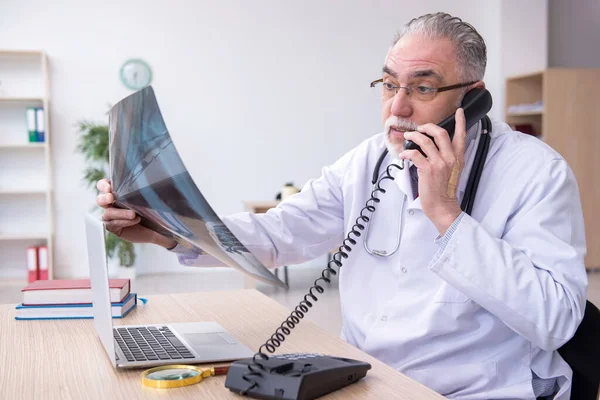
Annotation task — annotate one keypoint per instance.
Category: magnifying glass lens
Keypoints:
(173, 374)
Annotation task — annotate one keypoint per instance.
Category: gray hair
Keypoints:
(471, 53)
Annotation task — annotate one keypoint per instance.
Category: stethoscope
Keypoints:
(470, 190)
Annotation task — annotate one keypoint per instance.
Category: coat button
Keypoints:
(404, 270)
(383, 319)
(411, 212)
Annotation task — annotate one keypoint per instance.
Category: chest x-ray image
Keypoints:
(149, 177)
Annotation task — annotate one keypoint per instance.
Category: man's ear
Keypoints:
(478, 84)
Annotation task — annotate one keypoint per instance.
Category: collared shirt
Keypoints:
(477, 313)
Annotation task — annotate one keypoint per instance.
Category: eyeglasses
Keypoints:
(388, 90)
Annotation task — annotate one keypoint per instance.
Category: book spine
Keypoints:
(40, 125)
(43, 262)
(24, 312)
(31, 124)
(32, 264)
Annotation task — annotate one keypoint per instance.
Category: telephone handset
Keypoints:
(476, 104)
(307, 376)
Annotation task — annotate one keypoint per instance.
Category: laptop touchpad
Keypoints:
(204, 339)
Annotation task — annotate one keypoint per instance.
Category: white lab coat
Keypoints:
(469, 315)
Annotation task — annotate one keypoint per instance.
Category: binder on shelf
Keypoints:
(40, 125)
(31, 124)
(32, 264)
(43, 262)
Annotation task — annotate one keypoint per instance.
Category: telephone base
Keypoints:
(295, 376)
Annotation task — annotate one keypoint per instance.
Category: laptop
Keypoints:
(135, 346)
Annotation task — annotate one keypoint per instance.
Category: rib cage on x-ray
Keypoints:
(148, 176)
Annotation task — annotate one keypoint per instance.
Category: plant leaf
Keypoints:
(92, 175)
(111, 244)
(93, 141)
(126, 253)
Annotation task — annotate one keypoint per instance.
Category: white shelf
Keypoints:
(13, 283)
(27, 212)
(23, 191)
(21, 53)
(21, 99)
(21, 146)
(535, 74)
(525, 113)
(23, 236)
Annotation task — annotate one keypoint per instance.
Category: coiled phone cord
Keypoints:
(256, 368)
(271, 345)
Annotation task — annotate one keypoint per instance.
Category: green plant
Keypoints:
(93, 144)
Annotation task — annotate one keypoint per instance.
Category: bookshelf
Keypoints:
(26, 211)
(567, 121)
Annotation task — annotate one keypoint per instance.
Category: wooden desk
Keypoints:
(64, 359)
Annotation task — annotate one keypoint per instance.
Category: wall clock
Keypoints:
(136, 74)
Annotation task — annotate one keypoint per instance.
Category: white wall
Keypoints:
(523, 39)
(254, 93)
(574, 33)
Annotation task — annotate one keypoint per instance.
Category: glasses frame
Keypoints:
(435, 90)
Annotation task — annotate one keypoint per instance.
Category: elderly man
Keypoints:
(474, 305)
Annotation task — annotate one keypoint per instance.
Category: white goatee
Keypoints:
(399, 124)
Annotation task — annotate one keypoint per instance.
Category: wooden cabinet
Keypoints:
(564, 110)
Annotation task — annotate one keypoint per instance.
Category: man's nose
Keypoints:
(401, 104)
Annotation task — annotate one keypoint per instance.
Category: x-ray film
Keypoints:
(148, 177)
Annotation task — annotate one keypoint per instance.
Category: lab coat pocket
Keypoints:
(448, 294)
(457, 380)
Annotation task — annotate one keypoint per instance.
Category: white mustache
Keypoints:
(400, 124)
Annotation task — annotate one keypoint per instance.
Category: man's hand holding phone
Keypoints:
(126, 223)
(440, 170)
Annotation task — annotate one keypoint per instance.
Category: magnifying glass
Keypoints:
(174, 376)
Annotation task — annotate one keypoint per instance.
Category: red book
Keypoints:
(32, 264)
(43, 262)
(72, 291)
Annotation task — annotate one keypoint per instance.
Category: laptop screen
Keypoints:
(101, 306)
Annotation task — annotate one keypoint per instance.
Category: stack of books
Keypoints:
(72, 299)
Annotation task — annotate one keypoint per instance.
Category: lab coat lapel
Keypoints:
(402, 179)
(405, 185)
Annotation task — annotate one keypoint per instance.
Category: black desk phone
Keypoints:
(297, 376)
(307, 376)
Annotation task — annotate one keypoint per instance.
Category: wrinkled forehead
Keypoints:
(422, 57)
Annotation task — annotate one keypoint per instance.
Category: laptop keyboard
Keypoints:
(151, 343)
